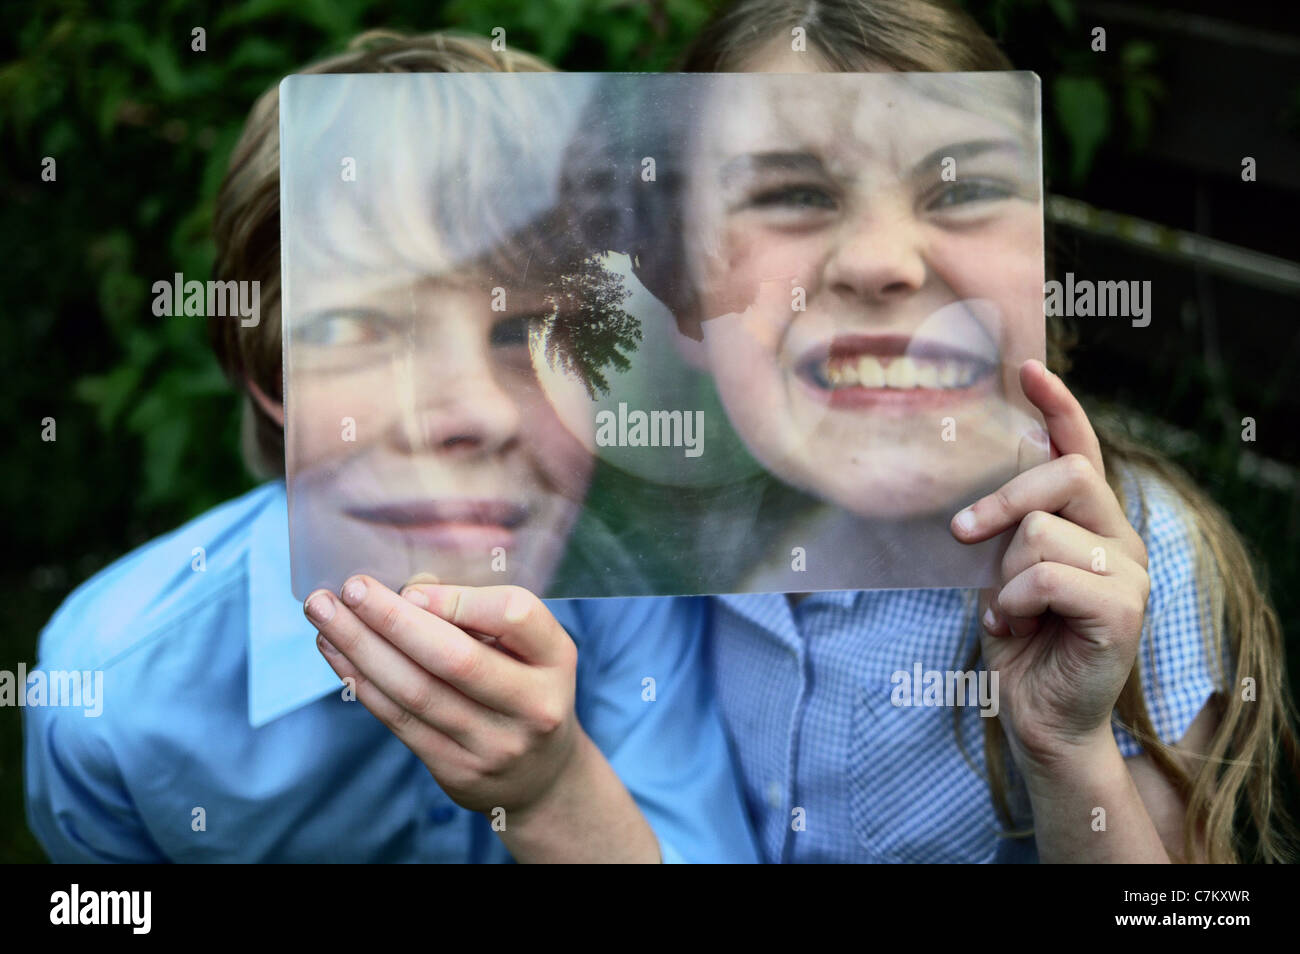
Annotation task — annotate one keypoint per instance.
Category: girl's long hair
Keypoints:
(1241, 776)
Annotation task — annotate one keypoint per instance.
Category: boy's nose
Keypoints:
(464, 412)
(877, 257)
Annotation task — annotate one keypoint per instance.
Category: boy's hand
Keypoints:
(495, 728)
(1063, 629)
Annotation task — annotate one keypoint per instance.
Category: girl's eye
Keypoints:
(797, 197)
(965, 193)
(347, 329)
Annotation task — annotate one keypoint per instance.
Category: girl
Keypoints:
(1123, 732)
(885, 410)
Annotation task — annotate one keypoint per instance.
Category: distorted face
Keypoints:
(867, 261)
(420, 437)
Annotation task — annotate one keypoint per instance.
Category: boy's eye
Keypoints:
(513, 332)
(347, 328)
(965, 193)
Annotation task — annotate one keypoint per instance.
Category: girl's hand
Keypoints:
(495, 728)
(1063, 630)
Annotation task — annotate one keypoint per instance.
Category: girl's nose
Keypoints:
(460, 409)
(877, 256)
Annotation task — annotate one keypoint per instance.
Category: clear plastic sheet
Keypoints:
(631, 334)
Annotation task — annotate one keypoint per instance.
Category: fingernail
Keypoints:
(319, 608)
(326, 646)
(965, 521)
(990, 619)
(423, 578)
(413, 595)
(354, 591)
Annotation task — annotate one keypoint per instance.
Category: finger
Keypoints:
(1069, 486)
(436, 645)
(1010, 624)
(1044, 537)
(1067, 424)
(395, 674)
(416, 734)
(422, 578)
(518, 619)
(990, 619)
(1093, 604)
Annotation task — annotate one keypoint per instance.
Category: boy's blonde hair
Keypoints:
(246, 223)
(1242, 773)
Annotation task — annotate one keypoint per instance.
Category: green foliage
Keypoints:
(1086, 91)
(589, 34)
(1084, 110)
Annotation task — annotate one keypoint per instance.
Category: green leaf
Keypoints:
(121, 296)
(1083, 110)
(259, 53)
(1138, 108)
(254, 11)
(1138, 54)
(1065, 12)
(165, 442)
(108, 393)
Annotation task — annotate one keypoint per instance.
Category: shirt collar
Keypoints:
(769, 612)
(774, 615)
(285, 669)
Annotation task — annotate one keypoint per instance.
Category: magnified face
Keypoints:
(421, 438)
(867, 256)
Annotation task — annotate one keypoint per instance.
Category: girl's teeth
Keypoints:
(901, 373)
(870, 372)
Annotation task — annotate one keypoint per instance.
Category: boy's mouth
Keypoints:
(894, 370)
(466, 526)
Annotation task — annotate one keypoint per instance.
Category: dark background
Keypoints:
(1150, 134)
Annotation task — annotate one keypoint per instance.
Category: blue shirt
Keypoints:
(834, 771)
(224, 735)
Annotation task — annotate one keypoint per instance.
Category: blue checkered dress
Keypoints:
(806, 694)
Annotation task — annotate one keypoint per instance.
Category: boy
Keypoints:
(222, 737)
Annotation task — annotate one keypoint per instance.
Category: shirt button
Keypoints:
(441, 814)
(774, 794)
